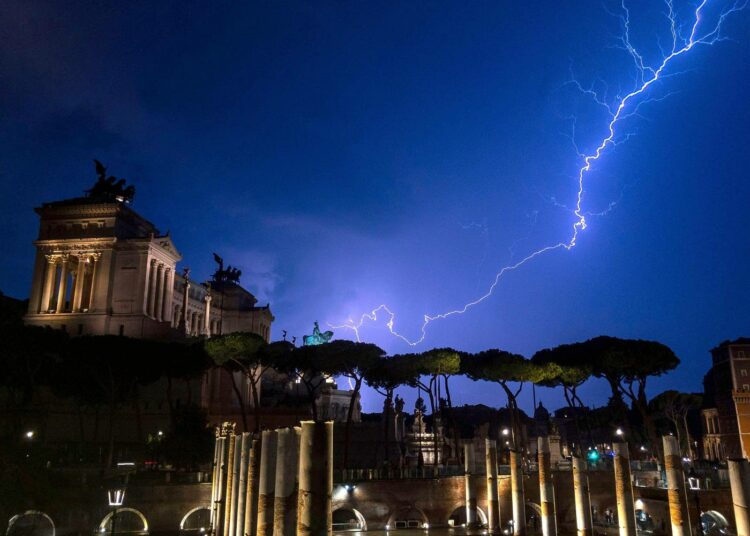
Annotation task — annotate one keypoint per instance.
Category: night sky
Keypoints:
(348, 154)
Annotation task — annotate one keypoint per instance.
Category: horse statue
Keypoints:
(317, 337)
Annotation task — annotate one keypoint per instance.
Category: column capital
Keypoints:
(153, 262)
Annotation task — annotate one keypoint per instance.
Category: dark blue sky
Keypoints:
(348, 154)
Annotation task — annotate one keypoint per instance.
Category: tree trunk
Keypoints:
(238, 394)
(350, 413)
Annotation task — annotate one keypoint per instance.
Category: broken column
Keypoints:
(739, 482)
(239, 525)
(676, 488)
(517, 494)
(251, 497)
(624, 490)
(546, 491)
(266, 483)
(471, 499)
(584, 524)
(285, 499)
(493, 499)
(315, 479)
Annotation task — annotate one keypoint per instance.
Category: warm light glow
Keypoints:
(506, 431)
(30, 434)
(619, 432)
(639, 504)
(116, 497)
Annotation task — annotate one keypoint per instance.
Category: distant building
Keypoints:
(726, 417)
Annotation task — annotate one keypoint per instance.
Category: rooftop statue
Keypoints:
(110, 188)
(317, 336)
(230, 275)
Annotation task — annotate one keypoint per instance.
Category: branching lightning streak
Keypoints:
(647, 76)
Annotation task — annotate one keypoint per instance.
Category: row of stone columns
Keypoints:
(739, 472)
(159, 289)
(86, 264)
(278, 485)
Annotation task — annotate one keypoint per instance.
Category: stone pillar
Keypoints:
(624, 490)
(315, 479)
(242, 489)
(739, 482)
(676, 488)
(185, 295)
(266, 483)
(158, 301)
(251, 499)
(215, 468)
(166, 303)
(493, 499)
(234, 497)
(78, 290)
(49, 282)
(471, 498)
(207, 316)
(546, 490)
(517, 494)
(228, 487)
(584, 524)
(63, 287)
(220, 487)
(285, 500)
(92, 288)
(151, 290)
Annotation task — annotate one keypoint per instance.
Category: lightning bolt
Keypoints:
(623, 107)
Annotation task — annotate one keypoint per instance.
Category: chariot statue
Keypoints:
(110, 188)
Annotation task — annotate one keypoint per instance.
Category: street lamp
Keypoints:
(619, 432)
(29, 434)
(505, 431)
(115, 497)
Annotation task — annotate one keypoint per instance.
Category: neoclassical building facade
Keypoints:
(102, 269)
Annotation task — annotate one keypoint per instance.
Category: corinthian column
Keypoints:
(517, 494)
(151, 291)
(78, 289)
(207, 316)
(165, 304)
(49, 282)
(471, 498)
(185, 295)
(285, 501)
(159, 291)
(63, 287)
(267, 483)
(315, 479)
(251, 499)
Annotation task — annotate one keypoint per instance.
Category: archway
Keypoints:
(347, 518)
(31, 523)
(458, 517)
(408, 517)
(127, 520)
(196, 520)
(533, 518)
(714, 524)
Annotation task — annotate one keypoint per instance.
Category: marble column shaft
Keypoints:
(470, 496)
(584, 524)
(159, 291)
(493, 498)
(63, 286)
(624, 490)
(266, 483)
(518, 496)
(228, 486)
(285, 492)
(251, 498)
(314, 516)
(676, 488)
(78, 288)
(48, 284)
(546, 490)
(151, 290)
(739, 482)
(242, 489)
(234, 498)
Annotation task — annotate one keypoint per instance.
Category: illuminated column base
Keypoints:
(470, 497)
(266, 483)
(584, 524)
(546, 491)
(676, 488)
(493, 499)
(624, 490)
(315, 479)
(517, 494)
(285, 500)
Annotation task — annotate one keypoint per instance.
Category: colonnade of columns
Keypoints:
(278, 484)
(159, 290)
(61, 270)
(739, 474)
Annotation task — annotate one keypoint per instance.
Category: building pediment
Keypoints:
(165, 243)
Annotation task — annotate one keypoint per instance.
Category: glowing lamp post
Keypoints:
(115, 498)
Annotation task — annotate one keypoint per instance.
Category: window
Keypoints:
(745, 387)
(743, 372)
(122, 330)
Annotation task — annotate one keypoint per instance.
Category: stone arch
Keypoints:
(460, 513)
(713, 523)
(127, 521)
(360, 519)
(533, 513)
(30, 523)
(407, 516)
(196, 519)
